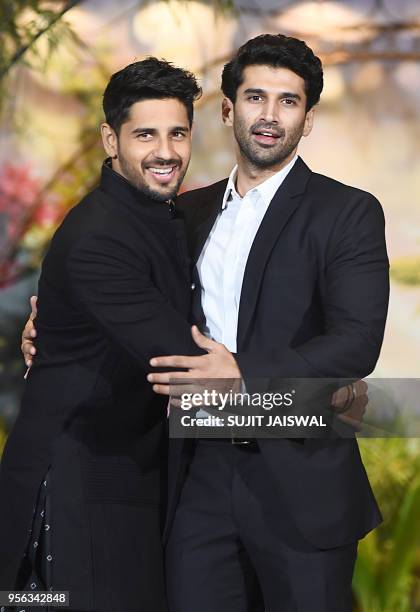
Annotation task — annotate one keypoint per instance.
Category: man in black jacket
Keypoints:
(292, 276)
(88, 450)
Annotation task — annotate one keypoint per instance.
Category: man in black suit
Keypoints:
(83, 475)
(292, 276)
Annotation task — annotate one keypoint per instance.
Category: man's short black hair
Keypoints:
(277, 51)
(149, 79)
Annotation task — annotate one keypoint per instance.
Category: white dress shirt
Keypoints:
(222, 262)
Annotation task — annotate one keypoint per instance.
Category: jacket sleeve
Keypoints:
(114, 286)
(355, 303)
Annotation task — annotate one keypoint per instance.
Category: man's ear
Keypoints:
(109, 140)
(309, 121)
(227, 111)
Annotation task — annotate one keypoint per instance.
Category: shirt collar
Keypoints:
(265, 190)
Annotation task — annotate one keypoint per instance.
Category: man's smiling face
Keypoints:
(269, 115)
(153, 147)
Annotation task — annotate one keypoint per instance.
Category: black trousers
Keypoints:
(232, 549)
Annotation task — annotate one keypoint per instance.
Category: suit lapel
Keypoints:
(284, 203)
(211, 210)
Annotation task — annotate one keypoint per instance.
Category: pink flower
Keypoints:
(18, 190)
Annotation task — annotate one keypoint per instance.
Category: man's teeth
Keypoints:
(161, 170)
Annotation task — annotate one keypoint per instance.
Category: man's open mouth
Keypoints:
(163, 174)
(266, 136)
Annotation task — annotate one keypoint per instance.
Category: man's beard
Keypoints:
(131, 173)
(264, 158)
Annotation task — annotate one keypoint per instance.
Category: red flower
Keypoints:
(19, 192)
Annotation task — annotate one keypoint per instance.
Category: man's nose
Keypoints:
(270, 112)
(165, 149)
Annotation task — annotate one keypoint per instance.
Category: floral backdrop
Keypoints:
(55, 59)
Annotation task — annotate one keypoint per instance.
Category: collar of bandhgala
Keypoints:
(122, 190)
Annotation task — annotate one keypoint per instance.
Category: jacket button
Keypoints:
(192, 286)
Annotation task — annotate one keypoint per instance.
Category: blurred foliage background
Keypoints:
(55, 60)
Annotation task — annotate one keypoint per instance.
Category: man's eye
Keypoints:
(144, 136)
(289, 101)
(178, 135)
(255, 98)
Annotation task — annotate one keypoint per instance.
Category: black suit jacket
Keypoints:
(313, 304)
(114, 291)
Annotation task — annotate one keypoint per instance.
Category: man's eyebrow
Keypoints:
(177, 128)
(290, 94)
(283, 94)
(254, 90)
(140, 130)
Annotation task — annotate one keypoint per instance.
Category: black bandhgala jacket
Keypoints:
(114, 291)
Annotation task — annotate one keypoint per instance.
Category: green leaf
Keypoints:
(365, 582)
(406, 541)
